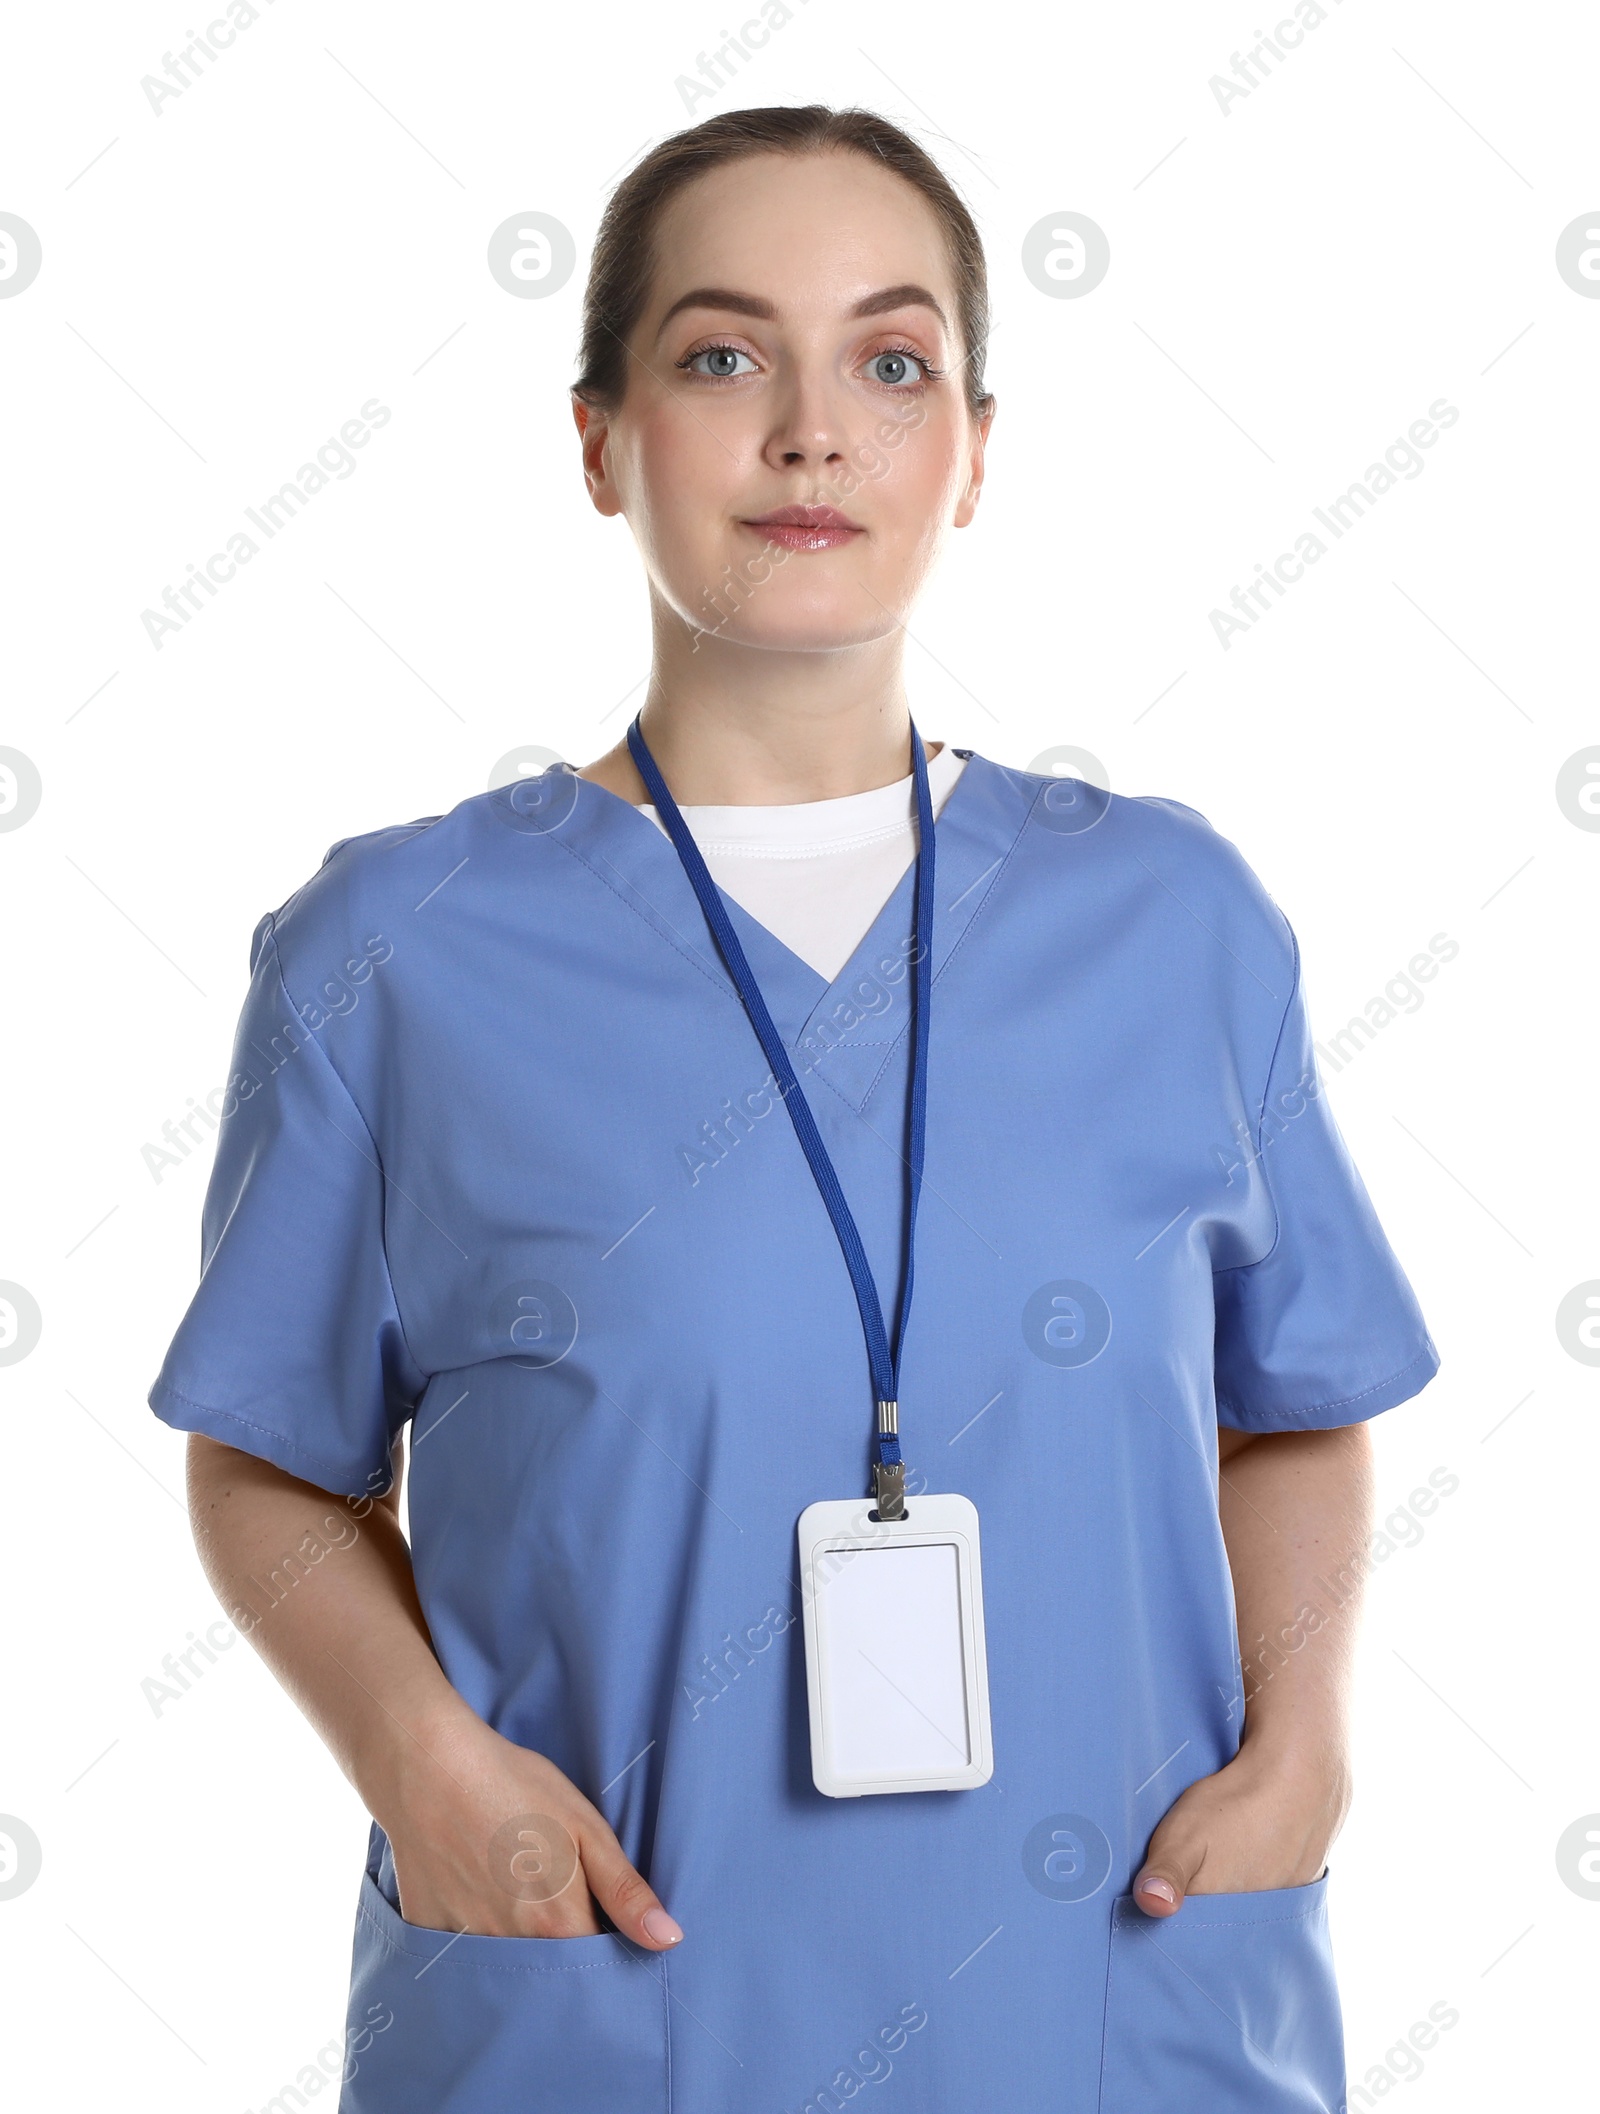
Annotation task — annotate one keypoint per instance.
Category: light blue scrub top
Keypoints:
(501, 1158)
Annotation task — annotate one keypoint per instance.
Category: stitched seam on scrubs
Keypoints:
(662, 930)
(666, 2029)
(1261, 1120)
(377, 1158)
(943, 968)
(1301, 1915)
(506, 1967)
(1105, 2009)
(335, 1476)
(1314, 1409)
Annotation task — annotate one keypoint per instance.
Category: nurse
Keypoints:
(589, 1139)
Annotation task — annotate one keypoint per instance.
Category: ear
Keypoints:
(967, 506)
(593, 432)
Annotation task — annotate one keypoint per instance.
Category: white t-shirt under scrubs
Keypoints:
(817, 872)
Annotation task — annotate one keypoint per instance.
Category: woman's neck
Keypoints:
(733, 727)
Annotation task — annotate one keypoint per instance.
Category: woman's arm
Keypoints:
(323, 1587)
(1296, 1517)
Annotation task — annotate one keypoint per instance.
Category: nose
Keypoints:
(808, 431)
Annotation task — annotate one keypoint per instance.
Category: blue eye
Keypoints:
(721, 357)
(897, 365)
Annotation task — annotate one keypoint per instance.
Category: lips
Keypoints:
(820, 517)
(812, 528)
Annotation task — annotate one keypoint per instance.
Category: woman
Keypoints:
(509, 1157)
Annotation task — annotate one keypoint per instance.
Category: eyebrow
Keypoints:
(735, 303)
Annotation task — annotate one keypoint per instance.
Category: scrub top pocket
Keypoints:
(1230, 2005)
(477, 2025)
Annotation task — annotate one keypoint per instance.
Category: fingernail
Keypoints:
(1162, 1889)
(660, 1926)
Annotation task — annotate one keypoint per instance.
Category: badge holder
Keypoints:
(896, 1672)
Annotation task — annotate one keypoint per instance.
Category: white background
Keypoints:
(1292, 284)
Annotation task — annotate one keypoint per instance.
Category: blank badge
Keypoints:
(895, 1667)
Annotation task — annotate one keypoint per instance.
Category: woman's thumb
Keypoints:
(625, 1897)
(1163, 1879)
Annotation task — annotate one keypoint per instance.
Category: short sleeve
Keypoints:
(292, 1346)
(1325, 1329)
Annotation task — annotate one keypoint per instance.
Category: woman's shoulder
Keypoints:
(1185, 854)
(352, 868)
(1158, 823)
(389, 880)
(1145, 846)
(369, 888)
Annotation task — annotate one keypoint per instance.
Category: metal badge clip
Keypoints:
(889, 1489)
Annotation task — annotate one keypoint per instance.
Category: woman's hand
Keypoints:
(487, 1837)
(1260, 1822)
(1296, 1512)
(492, 1838)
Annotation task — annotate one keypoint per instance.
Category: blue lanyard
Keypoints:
(888, 1482)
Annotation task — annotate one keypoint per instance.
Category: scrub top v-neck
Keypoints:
(817, 872)
(501, 1157)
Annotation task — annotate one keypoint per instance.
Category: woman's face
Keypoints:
(800, 350)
